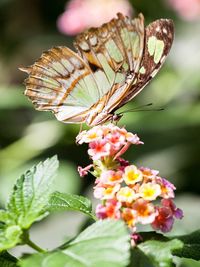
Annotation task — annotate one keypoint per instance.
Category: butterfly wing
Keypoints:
(114, 50)
(159, 37)
(120, 42)
(60, 81)
(77, 87)
(114, 63)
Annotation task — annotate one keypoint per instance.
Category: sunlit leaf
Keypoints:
(9, 237)
(63, 201)
(31, 193)
(105, 243)
(159, 252)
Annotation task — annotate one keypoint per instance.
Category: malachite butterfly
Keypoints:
(113, 64)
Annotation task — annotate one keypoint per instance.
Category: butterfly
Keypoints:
(112, 65)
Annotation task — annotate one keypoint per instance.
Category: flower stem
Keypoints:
(26, 240)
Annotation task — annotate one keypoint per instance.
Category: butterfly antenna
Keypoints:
(141, 108)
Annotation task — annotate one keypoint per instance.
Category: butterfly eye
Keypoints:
(116, 117)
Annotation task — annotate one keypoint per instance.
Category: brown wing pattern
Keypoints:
(160, 30)
(113, 64)
(119, 43)
(115, 41)
(53, 78)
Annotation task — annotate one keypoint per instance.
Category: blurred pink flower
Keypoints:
(187, 9)
(83, 14)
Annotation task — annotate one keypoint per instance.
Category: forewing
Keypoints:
(120, 41)
(159, 37)
(61, 82)
(114, 50)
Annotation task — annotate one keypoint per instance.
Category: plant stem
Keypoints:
(94, 217)
(31, 244)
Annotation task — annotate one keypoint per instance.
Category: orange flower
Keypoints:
(146, 212)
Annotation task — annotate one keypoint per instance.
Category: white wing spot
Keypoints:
(162, 59)
(154, 72)
(164, 31)
(158, 28)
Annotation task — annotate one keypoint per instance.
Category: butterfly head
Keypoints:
(99, 118)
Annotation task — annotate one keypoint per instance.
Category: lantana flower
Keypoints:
(126, 191)
(110, 177)
(132, 175)
(126, 194)
(149, 191)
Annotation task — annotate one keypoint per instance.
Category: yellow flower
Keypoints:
(149, 191)
(132, 175)
(109, 192)
(126, 194)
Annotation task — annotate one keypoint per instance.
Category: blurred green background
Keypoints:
(171, 137)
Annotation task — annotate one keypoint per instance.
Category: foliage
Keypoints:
(104, 243)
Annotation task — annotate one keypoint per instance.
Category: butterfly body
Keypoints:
(113, 64)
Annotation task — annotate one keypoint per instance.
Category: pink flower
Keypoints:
(106, 192)
(116, 140)
(110, 210)
(91, 135)
(83, 14)
(84, 171)
(149, 173)
(110, 177)
(177, 213)
(129, 216)
(165, 219)
(98, 149)
(133, 139)
(146, 212)
(135, 239)
(187, 9)
(123, 163)
(167, 188)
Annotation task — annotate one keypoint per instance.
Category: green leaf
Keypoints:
(5, 217)
(189, 263)
(63, 201)
(31, 193)
(54, 259)
(105, 243)
(9, 236)
(139, 259)
(7, 260)
(191, 248)
(160, 252)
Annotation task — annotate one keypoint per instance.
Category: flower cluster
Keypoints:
(126, 191)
